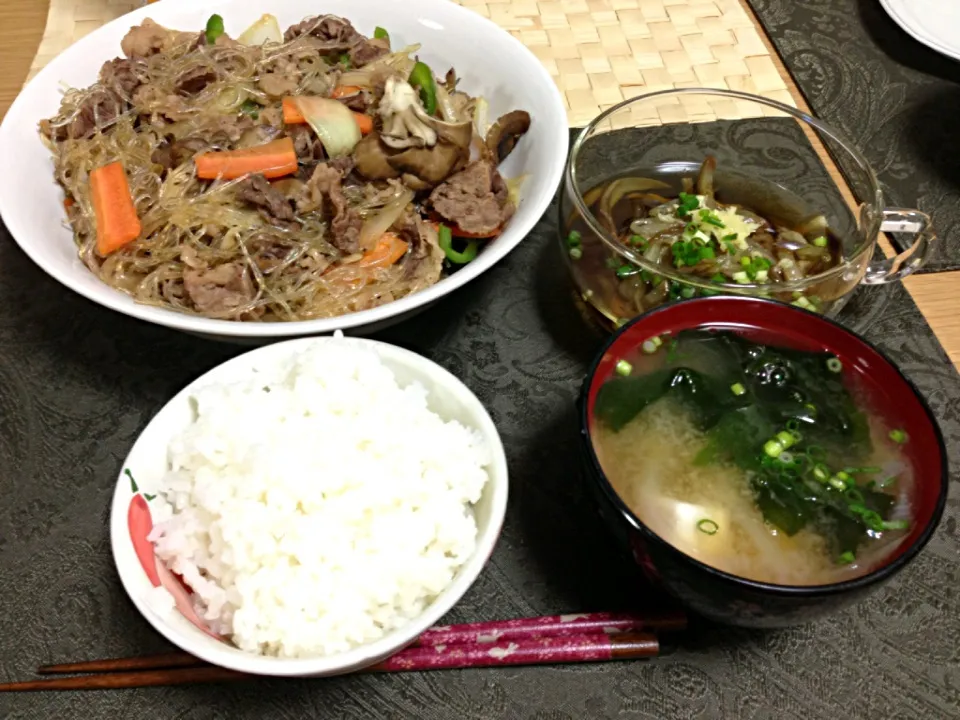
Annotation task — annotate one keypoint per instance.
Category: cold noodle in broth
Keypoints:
(715, 226)
(761, 461)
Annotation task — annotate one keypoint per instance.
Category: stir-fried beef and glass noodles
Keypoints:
(278, 176)
(742, 232)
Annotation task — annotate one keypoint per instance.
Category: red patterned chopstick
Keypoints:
(551, 626)
(532, 651)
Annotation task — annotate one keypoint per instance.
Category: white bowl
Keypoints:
(492, 64)
(147, 461)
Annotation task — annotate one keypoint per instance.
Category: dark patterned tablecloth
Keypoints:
(77, 383)
(897, 100)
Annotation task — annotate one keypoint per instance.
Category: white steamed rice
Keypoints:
(319, 506)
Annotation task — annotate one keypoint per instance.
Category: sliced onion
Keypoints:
(362, 78)
(447, 111)
(378, 223)
(481, 112)
(332, 121)
(513, 188)
(266, 29)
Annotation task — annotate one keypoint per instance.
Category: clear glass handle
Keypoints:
(908, 259)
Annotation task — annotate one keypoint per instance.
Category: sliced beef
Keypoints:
(367, 51)
(358, 102)
(271, 203)
(475, 199)
(326, 190)
(99, 110)
(193, 81)
(119, 76)
(174, 154)
(306, 144)
(277, 85)
(145, 39)
(220, 290)
(423, 264)
(329, 28)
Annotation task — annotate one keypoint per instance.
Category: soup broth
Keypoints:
(715, 227)
(762, 462)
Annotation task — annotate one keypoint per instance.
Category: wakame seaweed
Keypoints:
(776, 413)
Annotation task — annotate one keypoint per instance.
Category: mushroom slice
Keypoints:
(502, 137)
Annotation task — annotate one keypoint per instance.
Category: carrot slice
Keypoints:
(116, 215)
(365, 123)
(291, 113)
(293, 116)
(345, 90)
(388, 250)
(272, 160)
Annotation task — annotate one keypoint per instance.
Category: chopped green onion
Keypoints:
(785, 457)
(657, 340)
(649, 346)
(445, 241)
(624, 368)
(687, 204)
(380, 34)
(711, 218)
(898, 436)
(638, 240)
(820, 241)
(576, 253)
(422, 77)
(887, 482)
(896, 524)
(820, 472)
(612, 262)
(688, 291)
(741, 277)
(737, 389)
(214, 29)
(625, 271)
(251, 108)
(844, 476)
(834, 365)
(745, 261)
(708, 526)
(344, 60)
(762, 276)
(846, 558)
(574, 238)
(786, 438)
(772, 448)
(837, 483)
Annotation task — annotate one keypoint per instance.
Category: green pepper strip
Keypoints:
(380, 34)
(214, 29)
(445, 240)
(422, 77)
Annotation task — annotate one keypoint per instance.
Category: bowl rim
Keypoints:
(793, 591)
(231, 657)
(874, 203)
(555, 132)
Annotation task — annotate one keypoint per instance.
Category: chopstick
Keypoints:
(587, 637)
(466, 633)
(531, 651)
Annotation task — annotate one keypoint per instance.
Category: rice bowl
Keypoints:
(297, 577)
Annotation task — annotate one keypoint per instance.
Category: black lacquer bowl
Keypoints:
(718, 595)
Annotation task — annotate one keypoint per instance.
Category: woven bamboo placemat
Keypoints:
(599, 52)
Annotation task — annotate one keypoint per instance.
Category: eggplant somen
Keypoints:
(727, 233)
(279, 175)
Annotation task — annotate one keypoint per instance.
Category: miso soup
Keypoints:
(760, 461)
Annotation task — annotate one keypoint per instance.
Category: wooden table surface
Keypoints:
(21, 27)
